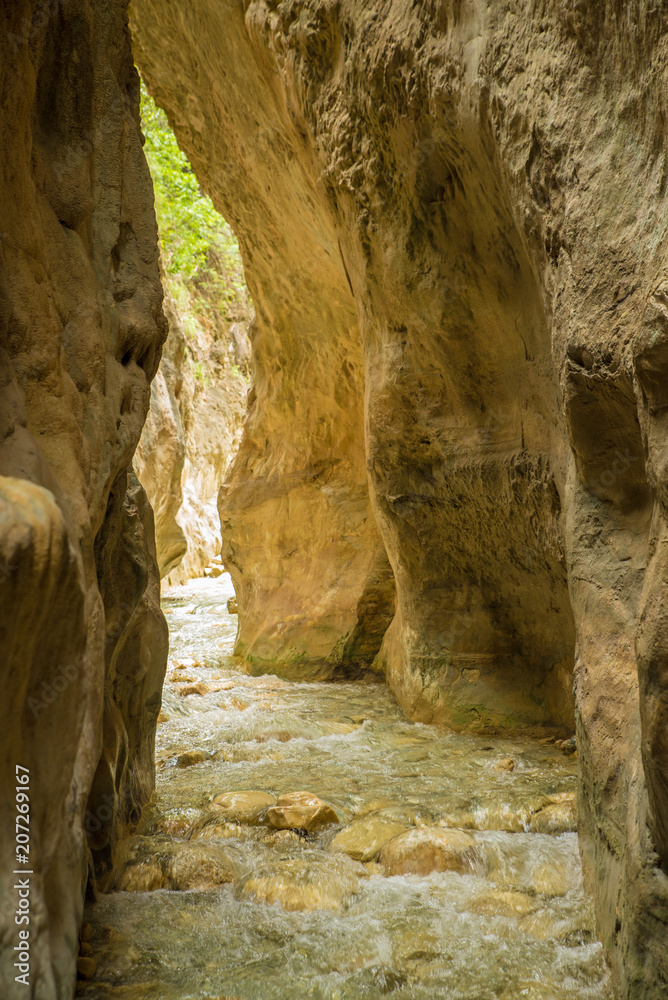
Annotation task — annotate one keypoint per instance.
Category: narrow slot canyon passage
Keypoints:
(410, 859)
(216, 895)
(333, 499)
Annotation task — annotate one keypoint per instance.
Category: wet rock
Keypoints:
(85, 949)
(554, 879)
(147, 863)
(277, 735)
(276, 838)
(86, 967)
(492, 817)
(242, 807)
(498, 902)
(430, 849)
(191, 757)
(505, 764)
(304, 883)
(174, 823)
(363, 839)
(200, 688)
(556, 817)
(302, 811)
(232, 606)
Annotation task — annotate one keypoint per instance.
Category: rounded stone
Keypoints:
(363, 839)
(556, 817)
(430, 849)
(191, 757)
(502, 903)
(86, 967)
(303, 883)
(246, 807)
(301, 811)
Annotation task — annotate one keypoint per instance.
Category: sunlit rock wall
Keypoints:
(453, 221)
(82, 639)
(191, 435)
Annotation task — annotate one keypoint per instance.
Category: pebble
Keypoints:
(86, 967)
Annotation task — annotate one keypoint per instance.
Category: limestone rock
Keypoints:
(301, 811)
(86, 967)
(481, 331)
(191, 433)
(430, 849)
(363, 839)
(243, 807)
(558, 817)
(81, 328)
(304, 883)
(145, 864)
(191, 757)
(501, 903)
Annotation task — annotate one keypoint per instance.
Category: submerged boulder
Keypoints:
(147, 863)
(430, 849)
(304, 882)
(365, 836)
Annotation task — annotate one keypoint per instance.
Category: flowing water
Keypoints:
(253, 913)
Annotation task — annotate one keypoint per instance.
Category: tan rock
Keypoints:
(147, 863)
(191, 757)
(243, 807)
(555, 818)
(504, 764)
(86, 967)
(200, 688)
(497, 902)
(554, 879)
(304, 883)
(302, 811)
(363, 839)
(430, 849)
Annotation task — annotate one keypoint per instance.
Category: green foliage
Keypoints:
(201, 374)
(197, 244)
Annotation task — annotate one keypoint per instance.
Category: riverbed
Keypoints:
(260, 912)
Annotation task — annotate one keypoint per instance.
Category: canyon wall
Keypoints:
(191, 434)
(82, 640)
(453, 220)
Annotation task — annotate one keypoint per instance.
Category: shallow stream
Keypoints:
(511, 921)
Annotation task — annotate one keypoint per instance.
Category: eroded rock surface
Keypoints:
(193, 428)
(453, 222)
(82, 639)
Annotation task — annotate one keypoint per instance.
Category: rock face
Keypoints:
(82, 639)
(453, 222)
(193, 429)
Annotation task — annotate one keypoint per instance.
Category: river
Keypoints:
(212, 908)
